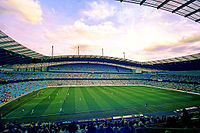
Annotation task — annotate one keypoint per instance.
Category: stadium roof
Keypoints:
(190, 62)
(185, 8)
(176, 59)
(9, 44)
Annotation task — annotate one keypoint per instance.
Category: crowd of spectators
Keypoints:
(184, 120)
(177, 78)
(13, 76)
(174, 85)
(11, 91)
(87, 82)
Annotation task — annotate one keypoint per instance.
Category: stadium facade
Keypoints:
(24, 71)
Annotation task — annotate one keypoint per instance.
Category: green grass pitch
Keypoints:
(76, 103)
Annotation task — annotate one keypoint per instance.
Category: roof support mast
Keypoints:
(52, 52)
(78, 50)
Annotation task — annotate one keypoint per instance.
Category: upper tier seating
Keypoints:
(88, 68)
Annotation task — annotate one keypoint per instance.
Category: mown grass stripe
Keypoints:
(99, 100)
(146, 96)
(56, 104)
(125, 97)
(132, 98)
(70, 101)
(29, 104)
(117, 97)
(90, 101)
(66, 91)
(150, 97)
(163, 95)
(80, 103)
(42, 106)
(160, 100)
(108, 99)
(141, 98)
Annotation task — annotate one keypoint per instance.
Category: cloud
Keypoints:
(53, 10)
(99, 10)
(195, 48)
(126, 15)
(81, 30)
(183, 41)
(184, 49)
(26, 10)
(84, 47)
(179, 49)
(190, 39)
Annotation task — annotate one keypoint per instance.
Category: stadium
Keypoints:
(97, 93)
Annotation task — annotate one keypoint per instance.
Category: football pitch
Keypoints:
(79, 103)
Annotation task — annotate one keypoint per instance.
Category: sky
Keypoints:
(143, 33)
